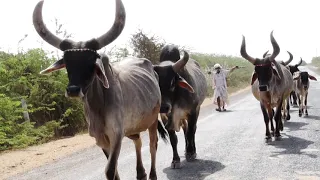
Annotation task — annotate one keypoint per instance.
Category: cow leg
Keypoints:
(153, 149)
(277, 118)
(288, 111)
(271, 115)
(300, 106)
(115, 147)
(305, 103)
(141, 173)
(294, 96)
(191, 153)
(174, 142)
(107, 156)
(266, 121)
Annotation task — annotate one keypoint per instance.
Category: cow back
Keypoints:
(139, 86)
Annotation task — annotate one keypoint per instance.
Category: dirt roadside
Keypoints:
(14, 162)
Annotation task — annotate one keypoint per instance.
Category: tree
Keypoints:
(145, 46)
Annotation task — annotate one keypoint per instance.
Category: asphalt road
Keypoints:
(230, 145)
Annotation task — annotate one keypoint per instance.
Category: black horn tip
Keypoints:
(185, 55)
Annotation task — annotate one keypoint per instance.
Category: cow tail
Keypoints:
(163, 132)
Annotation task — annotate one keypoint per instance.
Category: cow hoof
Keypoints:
(300, 114)
(175, 165)
(268, 139)
(288, 118)
(191, 157)
(271, 135)
(278, 138)
(143, 178)
(153, 178)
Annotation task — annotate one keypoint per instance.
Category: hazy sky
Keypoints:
(209, 26)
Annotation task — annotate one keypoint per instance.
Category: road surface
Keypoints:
(230, 145)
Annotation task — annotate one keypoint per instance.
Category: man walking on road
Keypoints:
(219, 84)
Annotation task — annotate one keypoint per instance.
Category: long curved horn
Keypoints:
(42, 29)
(276, 48)
(117, 27)
(290, 59)
(299, 62)
(181, 62)
(276, 51)
(265, 54)
(244, 53)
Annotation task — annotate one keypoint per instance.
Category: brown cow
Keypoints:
(271, 84)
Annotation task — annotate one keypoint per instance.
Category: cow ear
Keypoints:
(184, 84)
(296, 75)
(54, 67)
(275, 72)
(101, 75)
(254, 77)
(312, 77)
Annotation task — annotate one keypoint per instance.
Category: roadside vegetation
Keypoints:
(316, 62)
(47, 115)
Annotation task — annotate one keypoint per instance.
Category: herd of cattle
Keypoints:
(125, 99)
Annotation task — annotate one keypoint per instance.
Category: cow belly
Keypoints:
(178, 117)
(135, 125)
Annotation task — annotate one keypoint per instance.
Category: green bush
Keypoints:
(316, 61)
(238, 79)
(51, 113)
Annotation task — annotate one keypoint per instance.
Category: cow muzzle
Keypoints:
(74, 92)
(165, 108)
(305, 87)
(263, 88)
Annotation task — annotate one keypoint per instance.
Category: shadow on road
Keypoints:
(312, 117)
(294, 126)
(198, 169)
(292, 145)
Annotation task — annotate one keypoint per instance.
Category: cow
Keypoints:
(293, 69)
(301, 87)
(286, 106)
(119, 100)
(183, 89)
(271, 84)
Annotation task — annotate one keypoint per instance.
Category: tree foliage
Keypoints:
(145, 46)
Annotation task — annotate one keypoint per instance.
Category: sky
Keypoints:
(207, 26)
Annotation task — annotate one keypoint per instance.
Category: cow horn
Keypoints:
(276, 48)
(299, 62)
(290, 59)
(181, 62)
(243, 51)
(42, 29)
(276, 51)
(116, 28)
(265, 54)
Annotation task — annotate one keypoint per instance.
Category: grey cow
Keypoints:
(119, 101)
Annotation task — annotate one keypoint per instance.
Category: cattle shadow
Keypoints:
(294, 126)
(198, 169)
(312, 117)
(292, 145)
(227, 110)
